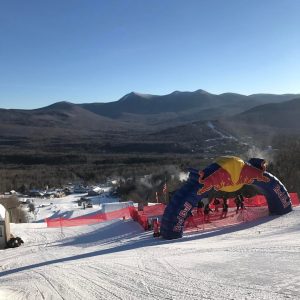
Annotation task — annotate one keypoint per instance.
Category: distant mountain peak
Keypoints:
(200, 91)
(175, 92)
(196, 92)
(61, 105)
(127, 96)
(147, 96)
(135, 95)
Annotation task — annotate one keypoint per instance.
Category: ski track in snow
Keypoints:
(118, 260)
(221, 135)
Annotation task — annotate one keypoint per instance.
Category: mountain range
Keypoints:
(135, 108)
(181, 107)
(137, 119)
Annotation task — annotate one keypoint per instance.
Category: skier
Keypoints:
(207, 210)
(216, 203)
(224, 208)
(239, 202)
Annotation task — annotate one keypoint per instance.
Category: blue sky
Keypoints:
(99, 50)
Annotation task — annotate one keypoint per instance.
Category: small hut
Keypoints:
(4, 227)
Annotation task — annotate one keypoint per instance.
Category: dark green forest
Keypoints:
(25, 171)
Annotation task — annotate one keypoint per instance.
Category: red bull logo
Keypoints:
(217, 180)
(250, 173)
(182, 216)
(231, 176)
(283, 197)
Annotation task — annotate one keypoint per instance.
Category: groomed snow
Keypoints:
(118, 260)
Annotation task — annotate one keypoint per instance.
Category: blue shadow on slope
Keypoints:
(136, 240)
(63, 214)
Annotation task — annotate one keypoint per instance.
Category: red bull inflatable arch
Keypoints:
(229, 174)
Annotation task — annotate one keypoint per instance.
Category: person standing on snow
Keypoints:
(239, 202)
(224, 208)
(207, 210)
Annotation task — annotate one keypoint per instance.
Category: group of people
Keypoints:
(220, 203)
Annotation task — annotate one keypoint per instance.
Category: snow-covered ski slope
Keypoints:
(118, 260)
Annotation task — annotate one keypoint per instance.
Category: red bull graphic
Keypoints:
(284, 198)
(182, 216)
(217, 180)
(231, 175)
(249, 174)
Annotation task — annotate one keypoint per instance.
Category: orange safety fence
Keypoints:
(126, 212)
(256, 201)
(154, 210)
(143, 217)
(255, 208)
(216, 219)
(295, 199)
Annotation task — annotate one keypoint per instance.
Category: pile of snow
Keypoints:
(101, 199)
(109, 207)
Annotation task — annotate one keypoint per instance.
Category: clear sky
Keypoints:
(99, 50)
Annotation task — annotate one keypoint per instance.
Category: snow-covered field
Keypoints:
(118, 260)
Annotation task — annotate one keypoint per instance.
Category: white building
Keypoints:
(4, 227)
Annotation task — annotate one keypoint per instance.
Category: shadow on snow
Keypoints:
(132, 240)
